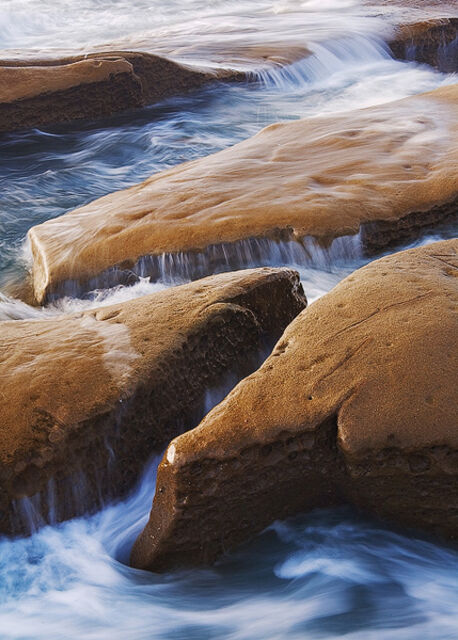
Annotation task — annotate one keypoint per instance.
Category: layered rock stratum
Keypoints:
(357, 403)
(87, 398)
(390, 169)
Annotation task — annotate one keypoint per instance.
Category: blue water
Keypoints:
(325, 575)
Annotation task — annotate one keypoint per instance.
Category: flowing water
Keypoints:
(324, 575)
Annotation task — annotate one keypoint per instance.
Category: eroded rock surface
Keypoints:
(356, 403)
(87, 398)
(322, 177)
(38, 92)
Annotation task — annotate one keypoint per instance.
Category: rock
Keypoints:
(433, 42)
(41, 92)
(322, 177)
(36, 92)
(424, 31)
(421, 30)
(357, 403)
(87, 398)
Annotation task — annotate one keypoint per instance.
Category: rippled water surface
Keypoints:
(327, 575)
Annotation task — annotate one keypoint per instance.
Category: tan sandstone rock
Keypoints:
(86, 398)
(356, 403)
(36, 92)
(322, 177)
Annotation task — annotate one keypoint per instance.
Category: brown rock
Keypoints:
(320, 177)
(87, 398)
(39, 92)
(434, 42)
(356, 403)
(422, 30)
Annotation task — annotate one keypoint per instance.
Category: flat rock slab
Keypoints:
(41, 92)
(357, 403)
(322, 177)
(87, 398)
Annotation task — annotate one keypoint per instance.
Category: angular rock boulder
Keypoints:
(357, 403)
(390, 168)
(87, 398)
(36, 92)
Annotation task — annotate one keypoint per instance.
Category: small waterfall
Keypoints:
(153, 273)
(171, 268)
(177, 268)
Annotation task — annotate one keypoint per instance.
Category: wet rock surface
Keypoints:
(38, 92)
(87, 398)
(433, 42)
(322, 177)
(357, 403)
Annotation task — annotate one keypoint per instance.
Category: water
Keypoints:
(324, 575)
(43, 174)
(188, 29)
(317, 576)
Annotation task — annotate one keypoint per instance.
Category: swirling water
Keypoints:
(325, 575)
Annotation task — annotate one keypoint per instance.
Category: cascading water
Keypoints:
(322, 576)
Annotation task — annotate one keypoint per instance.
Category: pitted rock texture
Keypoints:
(322, 177)
(41, 92)
(87, 398)
(357, 403)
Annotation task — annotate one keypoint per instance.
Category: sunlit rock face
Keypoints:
(356, 403)
(88, 397)
(321, 177)
(37, 92)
